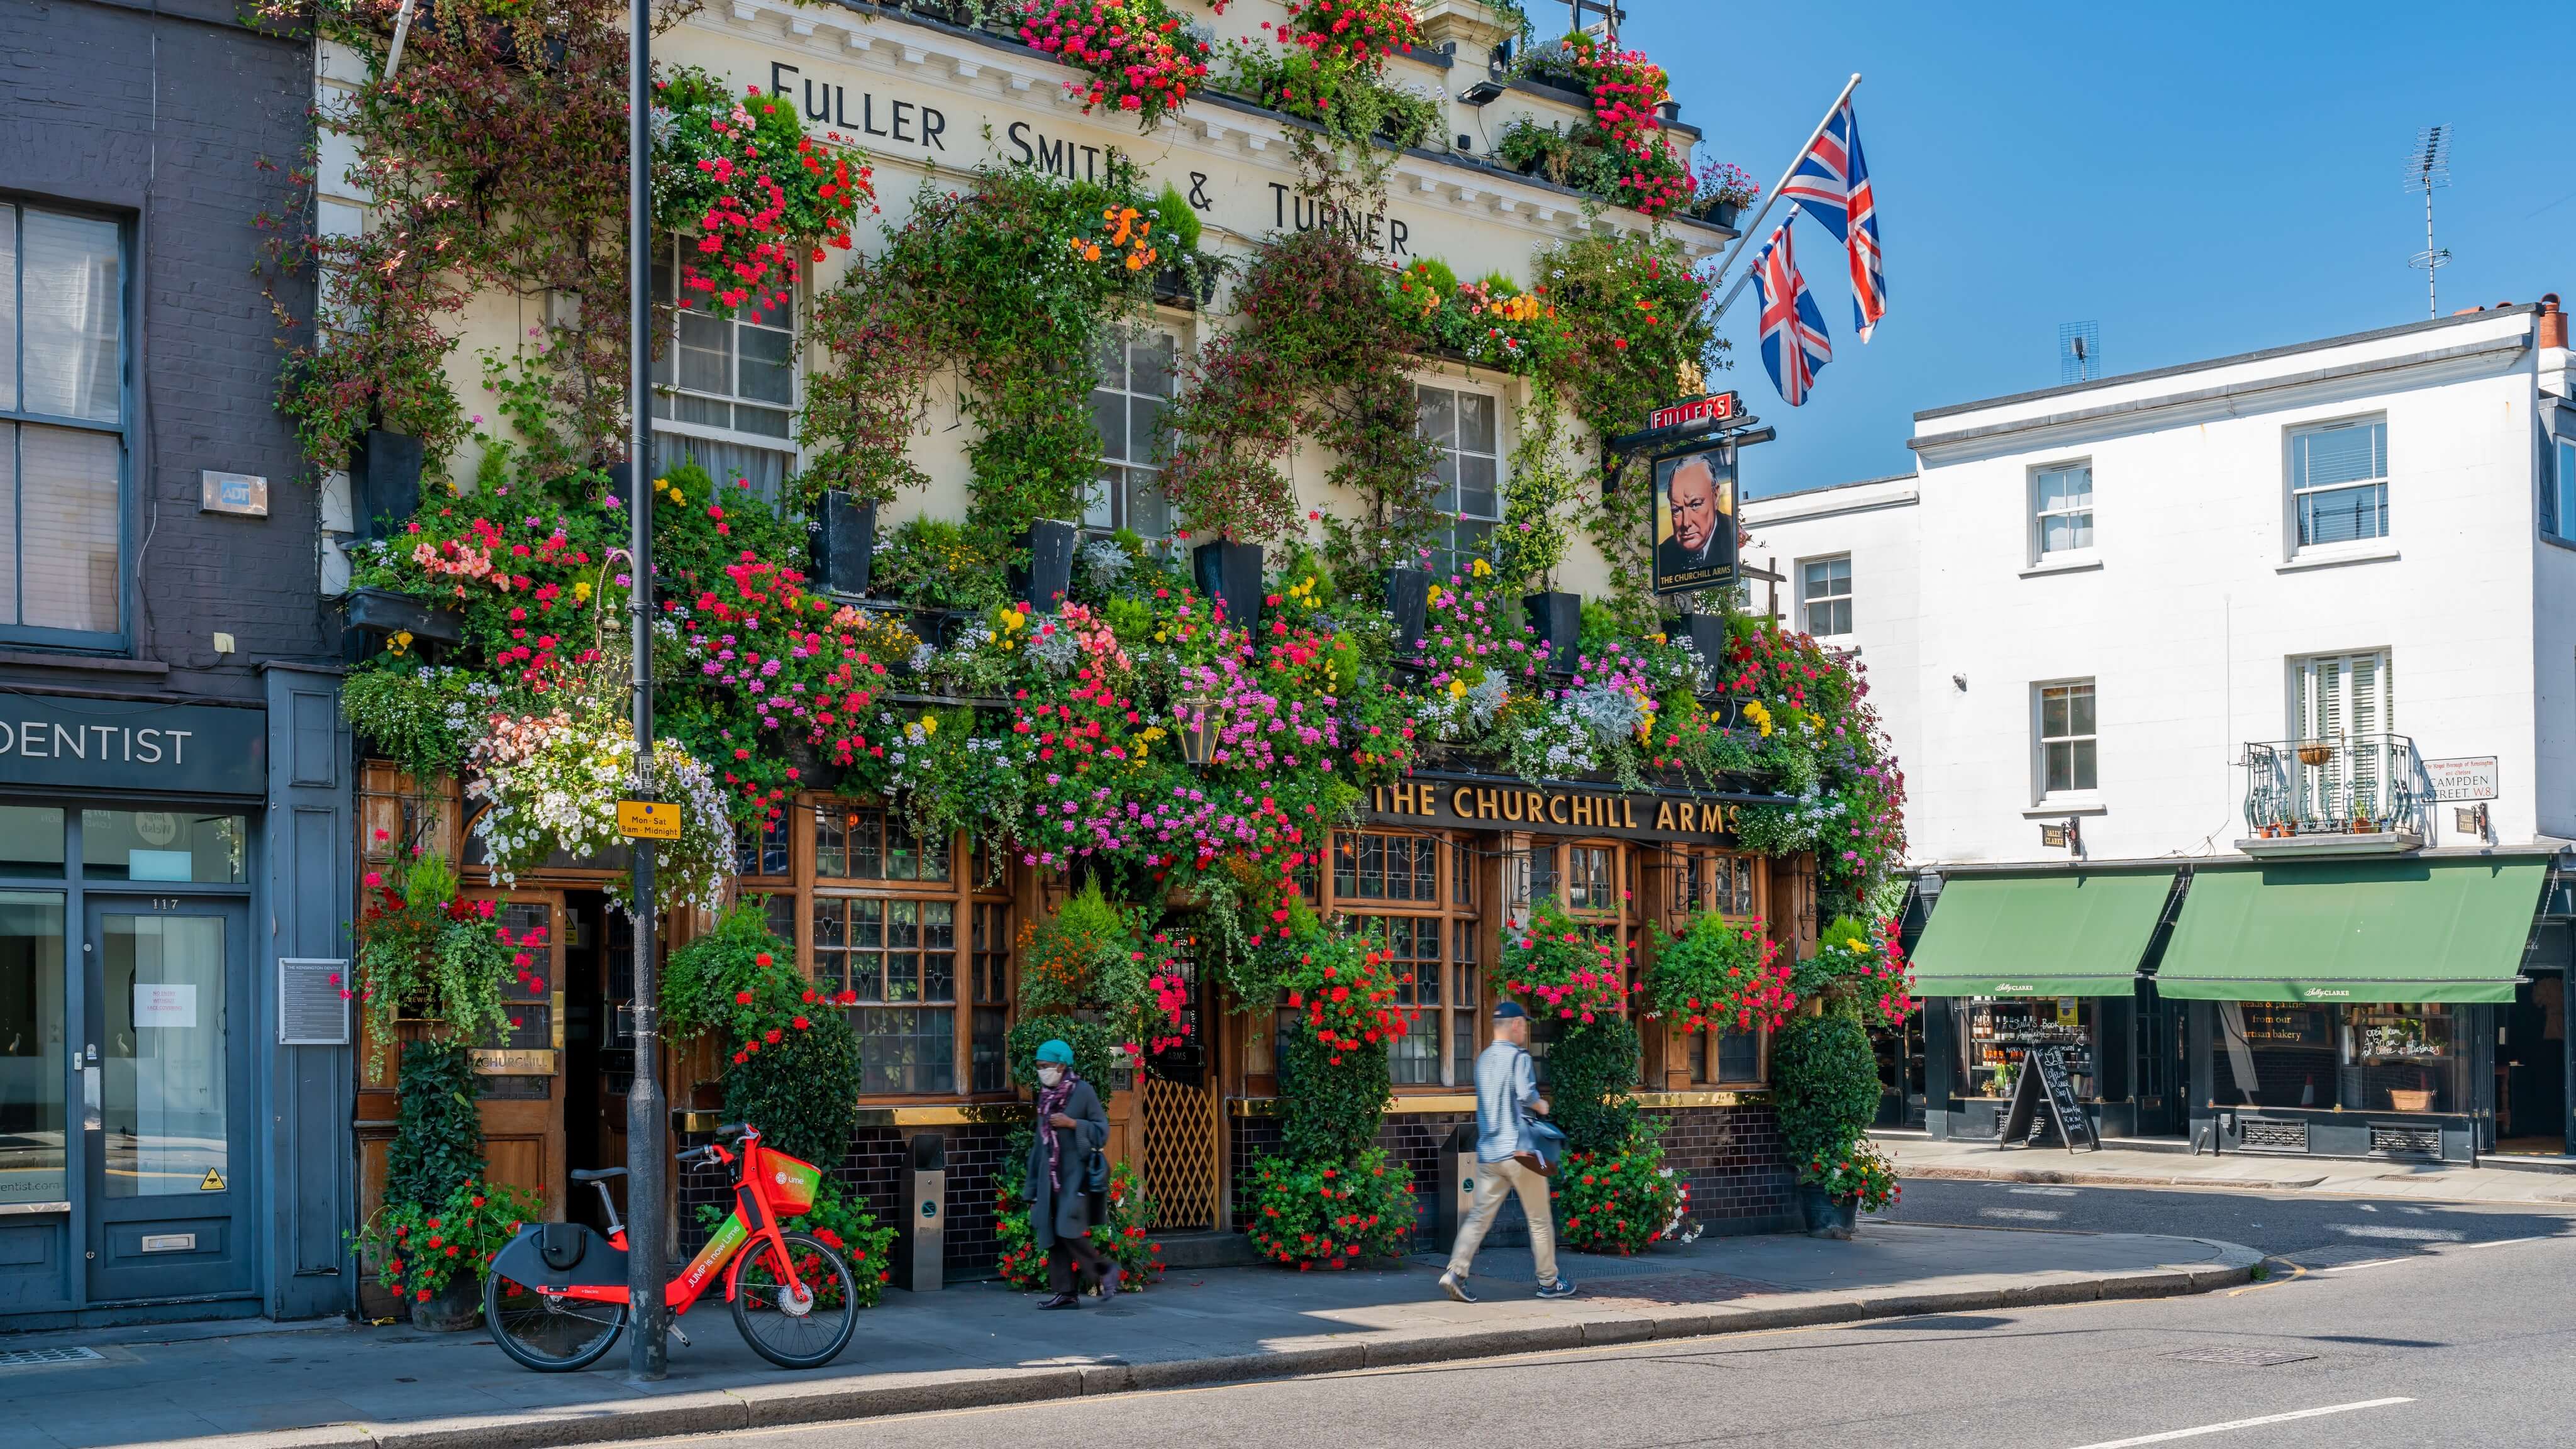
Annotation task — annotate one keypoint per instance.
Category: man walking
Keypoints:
(1506, 1092)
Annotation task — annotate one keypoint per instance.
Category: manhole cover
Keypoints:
(2246, 1357)
(28, 1357)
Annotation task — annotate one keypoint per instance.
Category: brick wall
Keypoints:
(1732, 1157)
(160, 116)
(871, 1174)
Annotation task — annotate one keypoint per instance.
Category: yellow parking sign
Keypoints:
(648, 820)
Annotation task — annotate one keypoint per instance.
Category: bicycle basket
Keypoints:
(792, 1182)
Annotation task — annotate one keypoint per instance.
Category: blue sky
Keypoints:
(2198, 179)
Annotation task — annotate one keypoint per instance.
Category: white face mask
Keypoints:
(1049, 1076)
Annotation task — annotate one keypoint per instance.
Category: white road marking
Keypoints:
(2044, 1191)
(2033, 1215)
(2501, 1243)
(2372, 1263)
(2170, 1435)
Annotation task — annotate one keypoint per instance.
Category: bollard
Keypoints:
(920, 1246)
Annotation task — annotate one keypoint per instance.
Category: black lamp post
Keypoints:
(646, 1118)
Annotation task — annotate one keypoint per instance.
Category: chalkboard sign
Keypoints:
(2044, 1094)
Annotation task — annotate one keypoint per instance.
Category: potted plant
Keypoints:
(1725, 189)
(2313, 753)
(1230, 573)
(442, 1221)
(1556, 618)
(1836, 1187)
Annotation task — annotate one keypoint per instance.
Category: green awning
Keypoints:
(2354, 931)
(2062, 933)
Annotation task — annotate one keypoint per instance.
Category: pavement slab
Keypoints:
(978, 1344)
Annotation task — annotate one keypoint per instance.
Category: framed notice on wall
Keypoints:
(1695, 519)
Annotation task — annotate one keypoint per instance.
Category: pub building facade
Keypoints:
(175, 786)
(923, 931)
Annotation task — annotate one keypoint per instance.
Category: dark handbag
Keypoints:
(1545, 1141)
(1095, 1171)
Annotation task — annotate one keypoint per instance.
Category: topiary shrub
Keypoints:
(1824, 1082)
(1333, 1100)
(1591, 1074)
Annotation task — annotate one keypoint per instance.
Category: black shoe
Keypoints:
(1062, 1300)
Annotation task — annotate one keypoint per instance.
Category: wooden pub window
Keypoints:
(899, 922)
(1416, 896)
(1697, 880)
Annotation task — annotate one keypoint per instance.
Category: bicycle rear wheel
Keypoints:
(549, 1333)
(791, 1331)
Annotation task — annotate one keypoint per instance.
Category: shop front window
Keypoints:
(2360, 1058)
(1997, 1036)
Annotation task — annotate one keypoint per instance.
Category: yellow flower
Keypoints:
(1761, 717)
(930, 724)
(400, 643)
(581, 592)
(1480, 568)
(1152, 733)
(1457, 688)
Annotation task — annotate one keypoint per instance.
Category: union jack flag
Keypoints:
(1868, 275)
(1821, 183)
(1794, 345)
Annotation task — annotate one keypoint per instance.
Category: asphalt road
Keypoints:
(2430, 1325)
(2312, 1231)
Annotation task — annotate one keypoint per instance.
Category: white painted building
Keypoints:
(2222, 613)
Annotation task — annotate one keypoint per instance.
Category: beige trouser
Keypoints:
(1493, 1180)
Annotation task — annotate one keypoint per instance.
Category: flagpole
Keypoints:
(1773, 195)
(1747, 279)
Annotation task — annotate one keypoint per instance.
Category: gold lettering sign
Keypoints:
(1415, 803)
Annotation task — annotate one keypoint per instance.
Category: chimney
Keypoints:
(2553, 323)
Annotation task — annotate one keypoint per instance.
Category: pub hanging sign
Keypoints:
(1559, 810)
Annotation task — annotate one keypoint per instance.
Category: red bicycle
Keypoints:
(556, 1298)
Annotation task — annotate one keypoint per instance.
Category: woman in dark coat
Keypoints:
(1071, 1126)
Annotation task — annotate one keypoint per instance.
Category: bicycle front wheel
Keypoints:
(551, 1334)
(792, 1329)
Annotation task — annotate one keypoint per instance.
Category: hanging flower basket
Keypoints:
(2314, 753)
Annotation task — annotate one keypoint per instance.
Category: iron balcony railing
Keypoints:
(2337, 785)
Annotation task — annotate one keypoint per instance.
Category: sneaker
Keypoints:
(1456, 1287)
(1563, 1287)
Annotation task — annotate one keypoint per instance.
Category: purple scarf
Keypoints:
(1051, 1100)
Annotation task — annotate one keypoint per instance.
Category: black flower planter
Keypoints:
(1557, 619)
(621, 483)
(1723, 213)
(382, 611)
(1827, 1217)
(845, 544)
(384, 481)
(1050, 564)
(1408, 599)
(1230, 573)
(1705, 633)
(1175, 286)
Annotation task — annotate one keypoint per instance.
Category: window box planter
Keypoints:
(382, 611)
(1175, 286)
(1722, 213)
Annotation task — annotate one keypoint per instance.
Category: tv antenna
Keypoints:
(2079, 352)
(2428, 168)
